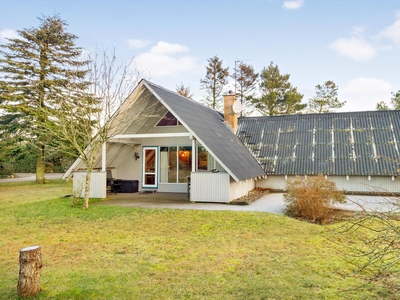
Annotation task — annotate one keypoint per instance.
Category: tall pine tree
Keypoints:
(325, 99)
(278, 96)
(394, 103)
(214, 82)
(245, 80)
(35, 68)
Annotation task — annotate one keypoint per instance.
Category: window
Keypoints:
(168, 120)
(185, 163)
(202, 158)
(175, 164)
(149, 167)
(168, 170)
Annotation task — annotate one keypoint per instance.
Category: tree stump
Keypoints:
(30, 263)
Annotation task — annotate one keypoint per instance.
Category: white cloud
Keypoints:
(355, 48)
(392, 32)
(294, 4)
(363, 93)
(137, 44)
(163, 48)
(8, 33)
(165, 59)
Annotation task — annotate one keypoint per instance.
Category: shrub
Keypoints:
(312, 198)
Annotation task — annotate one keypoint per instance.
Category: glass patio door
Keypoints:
(150, 167)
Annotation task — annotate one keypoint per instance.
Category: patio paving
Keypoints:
(271, 203)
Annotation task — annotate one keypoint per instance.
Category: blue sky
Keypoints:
(355, 43)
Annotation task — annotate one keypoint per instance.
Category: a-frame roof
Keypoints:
(208, 127)
(204, 124)
(351, 143)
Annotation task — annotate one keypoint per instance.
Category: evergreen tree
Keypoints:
(278, 96)
(35, 69)
(214, 82)
(246, 80)
(394, 101)
(325, 99)
(382, 106)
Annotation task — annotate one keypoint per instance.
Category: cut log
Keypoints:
(30, 263)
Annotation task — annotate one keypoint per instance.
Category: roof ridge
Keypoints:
(324, 114)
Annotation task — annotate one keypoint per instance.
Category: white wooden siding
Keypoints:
(210, 187)
(362, 184)
(353, 184)
(98, 182)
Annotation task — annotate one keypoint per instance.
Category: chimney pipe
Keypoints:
(230, 117)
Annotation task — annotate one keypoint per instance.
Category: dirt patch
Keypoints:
(252, 196)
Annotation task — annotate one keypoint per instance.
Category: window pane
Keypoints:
(163, 164)
(150, 179)
(168, 120)
(202, 158)
(185, 163)
(150, 160)
(172, 172)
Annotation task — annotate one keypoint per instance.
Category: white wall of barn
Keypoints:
(362, 184)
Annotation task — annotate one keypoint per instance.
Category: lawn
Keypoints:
(129, 253)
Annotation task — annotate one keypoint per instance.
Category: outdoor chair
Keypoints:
(115, 186)
(109, 177)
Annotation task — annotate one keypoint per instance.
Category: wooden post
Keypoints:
(30, 263)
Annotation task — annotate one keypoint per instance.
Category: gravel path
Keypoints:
(31, 177)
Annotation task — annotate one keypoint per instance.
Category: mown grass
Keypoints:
(128, 253)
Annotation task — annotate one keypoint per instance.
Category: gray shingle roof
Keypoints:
(354, 143)
(208, 127)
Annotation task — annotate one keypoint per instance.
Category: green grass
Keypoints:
(126, 253)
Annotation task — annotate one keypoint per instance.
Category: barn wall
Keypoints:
(363, 184)
(353, 184)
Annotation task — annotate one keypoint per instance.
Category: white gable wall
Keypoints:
(241, 188)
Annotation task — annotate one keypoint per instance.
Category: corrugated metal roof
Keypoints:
(353, 143)
(208, 127)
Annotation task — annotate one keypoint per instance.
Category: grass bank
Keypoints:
(130, 253)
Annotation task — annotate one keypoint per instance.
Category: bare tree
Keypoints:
(372, 240)
(84, 118)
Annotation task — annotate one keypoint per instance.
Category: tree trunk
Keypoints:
(40, 168)
(87, 188)
(30, 263)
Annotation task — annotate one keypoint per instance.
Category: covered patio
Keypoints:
(144, 200)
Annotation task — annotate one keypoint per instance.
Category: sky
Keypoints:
(355, 43)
